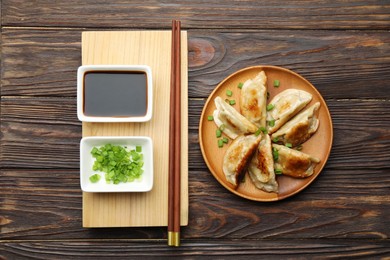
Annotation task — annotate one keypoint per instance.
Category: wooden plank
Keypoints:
(35, 60)
(337, 205)
(371, 14)
(199, 249)
(152, 48)
(361, 129)
(38, 60)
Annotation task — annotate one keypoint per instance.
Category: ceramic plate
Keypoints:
(143, 184)
(319, 145)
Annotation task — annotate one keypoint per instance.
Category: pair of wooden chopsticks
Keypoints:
(174, 140)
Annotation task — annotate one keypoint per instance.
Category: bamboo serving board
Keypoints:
(151, 48)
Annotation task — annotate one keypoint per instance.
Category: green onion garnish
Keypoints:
(232, 102)
(276, 83)
(218, 133)
(275, 140)
(289, 145)
(278, 171)
(220, 143)
(222, 127)
(275, 154)
(240, 85)
(271, 123)
(258, 132)
(264, 130)
(210, 118)
(270, 107)
(229, 93)
(119, 164)
(225, 140)
(94, 178)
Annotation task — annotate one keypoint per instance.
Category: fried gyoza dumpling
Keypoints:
(285, 105)
(292, 162)
(234, 123)
(300, 128)
(261, 167)
(237, 157)
(254, 99)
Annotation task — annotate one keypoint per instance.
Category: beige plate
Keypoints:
(319, 144)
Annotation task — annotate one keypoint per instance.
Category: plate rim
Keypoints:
(277, 198)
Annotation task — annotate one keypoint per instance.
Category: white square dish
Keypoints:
(143, 184)
(114, 93)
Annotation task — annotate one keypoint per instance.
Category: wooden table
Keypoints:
(342, 47)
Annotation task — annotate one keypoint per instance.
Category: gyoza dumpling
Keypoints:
(292, 162)
(286, 104)
(261, 168)
(237, 157)
(300, 128)
(254, 100)
(234, 123)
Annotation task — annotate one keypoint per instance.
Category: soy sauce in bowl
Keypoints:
(115, 94)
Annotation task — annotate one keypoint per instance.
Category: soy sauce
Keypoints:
(115, 94)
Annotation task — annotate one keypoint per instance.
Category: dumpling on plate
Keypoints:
(300, 128)
(284, 106)
(237, 157)
(261, 168)
(234, 123)
(292, 162)
(253, 100)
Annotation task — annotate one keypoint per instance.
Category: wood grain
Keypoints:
(372, 14)
(150, 48)
(199, 249)
(341, 47)
(36, 60)
(361, 129)
(51, 200)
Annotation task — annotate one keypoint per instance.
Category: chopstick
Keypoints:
(174, 140)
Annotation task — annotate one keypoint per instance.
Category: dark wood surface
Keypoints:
(342, 47)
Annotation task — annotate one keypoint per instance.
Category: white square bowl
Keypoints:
(82, 70)
(86, 162)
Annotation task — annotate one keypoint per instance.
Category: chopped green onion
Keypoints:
(271, 123)
(218, 133)
(229, 93)
(210, 118)
(289, 145)
(270, 107)
(276, 83)
(119, 164)
(261, 129)
(220, 143)
(278, 171)
(94, 178)
(275, 140)
(240, 85)
(225, 140)
(258, 132)
(275, 154)
(222, 127)
(232, 102)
